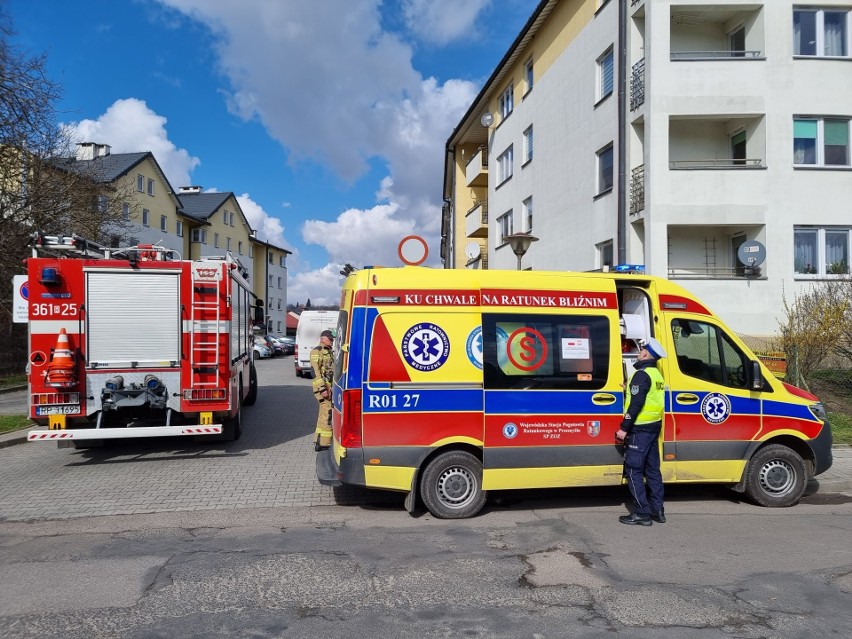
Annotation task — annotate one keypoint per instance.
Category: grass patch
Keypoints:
(12, 380)
(13, 422)
(841, 428)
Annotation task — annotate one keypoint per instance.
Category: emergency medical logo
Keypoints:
(716, 408)
(510, 430)
(593, 428)
(425, 347)
(474, 347)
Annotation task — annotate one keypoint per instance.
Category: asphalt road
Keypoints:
(186, 539)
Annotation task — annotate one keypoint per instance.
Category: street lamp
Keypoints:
(520, 242)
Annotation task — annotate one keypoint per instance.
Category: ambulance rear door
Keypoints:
(553, 400)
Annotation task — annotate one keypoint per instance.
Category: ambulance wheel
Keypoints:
(251, 398)
(776, 477)
(451, 487)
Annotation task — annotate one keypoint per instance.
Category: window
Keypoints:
(821, 32)
(150, 186)
(270, 257)
(231, 218)
(279, 282)
(507, 101)
(164, 223)
(125, 211)
(605, 169)
(228, 246)
(504, 227)
(528, 75)
(216, 240)
(251, 250)
(528, 214)
(738, 148)
(140, 183)
(199, 236)
(706, 352)
(605, 255)
(736, 42)
(283, 260)
(240, 247)
(547, 352)
(179, 228)
(102, 204)
(821, 141)
(528, 144)
(504, 165)
(145, 215)
(605, 74)
(821, 251)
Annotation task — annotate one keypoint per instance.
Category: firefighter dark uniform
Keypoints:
(322, 362)
(640, 430)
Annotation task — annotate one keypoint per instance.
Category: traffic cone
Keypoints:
(61, 371)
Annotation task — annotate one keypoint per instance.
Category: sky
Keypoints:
(326, 118)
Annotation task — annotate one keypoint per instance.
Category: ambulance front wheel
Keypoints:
(776, 477)
(451, 487)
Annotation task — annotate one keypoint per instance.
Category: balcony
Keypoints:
(710, 252)
(476, 221)
(476, 172)
(717, 32)
(637, 85)
(637, 190)
(717, 142)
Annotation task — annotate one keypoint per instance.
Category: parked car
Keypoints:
(283, 344)
(261, 349)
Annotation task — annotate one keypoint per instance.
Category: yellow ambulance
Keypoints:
(451, 383)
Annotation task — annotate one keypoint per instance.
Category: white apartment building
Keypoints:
(665, 134)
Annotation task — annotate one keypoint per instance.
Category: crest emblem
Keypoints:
(593, 428)
(510, 430)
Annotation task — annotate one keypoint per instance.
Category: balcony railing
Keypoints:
(718, 163)
(637, 85)
(637, 189)
(476, 170)
(476, 220)
(715, 55)
(713, 273)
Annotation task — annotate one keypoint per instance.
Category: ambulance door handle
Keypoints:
(686, 398)
(603, 399)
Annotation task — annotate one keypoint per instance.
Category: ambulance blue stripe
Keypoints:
(739, 405)
(361, 322)
(420, 400)
(535, 402)
(780, 409)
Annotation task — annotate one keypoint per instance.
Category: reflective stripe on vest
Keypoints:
(655, 400)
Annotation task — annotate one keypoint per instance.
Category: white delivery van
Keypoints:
(311, 324)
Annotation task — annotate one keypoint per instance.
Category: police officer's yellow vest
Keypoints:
(655, 400)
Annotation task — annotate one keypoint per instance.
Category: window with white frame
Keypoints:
(251, 250)
(604, 254)
(821, 251)
(228, 247)
(215, 240)
(164, 223)
(821, 32)
(528, 75)
(125, 211)
(821, 141)
(232, 218)
(199, 236)
(140, 183)
(504, 227)
(507, 101)
(150, 186)
(145, 216)
(279, 281)
(605, 169)
(270, 257)
(283, 260)
(528, 144)
(504, 165)
(528, 214)
(240, 247)
(179, 228)
(605, 74)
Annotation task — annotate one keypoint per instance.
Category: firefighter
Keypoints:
(322, 362)
(640, 429)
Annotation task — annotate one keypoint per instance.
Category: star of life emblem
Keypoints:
(716, 408)
(425, 347)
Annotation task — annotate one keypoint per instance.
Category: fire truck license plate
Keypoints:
(57, 410)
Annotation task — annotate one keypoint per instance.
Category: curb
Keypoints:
(14, 437)
(12, 389)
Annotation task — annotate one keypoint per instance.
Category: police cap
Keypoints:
(654, 348)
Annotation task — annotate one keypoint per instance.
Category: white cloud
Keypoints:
(129, 126)
(269, 229)
(442, 21)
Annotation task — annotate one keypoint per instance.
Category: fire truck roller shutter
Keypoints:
(133, 317)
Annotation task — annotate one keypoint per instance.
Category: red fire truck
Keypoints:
(136, 342)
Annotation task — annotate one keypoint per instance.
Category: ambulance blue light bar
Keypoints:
(628, 268)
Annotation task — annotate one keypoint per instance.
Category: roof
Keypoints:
(202, 205)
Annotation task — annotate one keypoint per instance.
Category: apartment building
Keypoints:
(674, 136)
(270, 275)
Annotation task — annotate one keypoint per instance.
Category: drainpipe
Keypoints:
(621, 233)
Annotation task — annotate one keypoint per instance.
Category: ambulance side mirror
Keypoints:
(756, 376)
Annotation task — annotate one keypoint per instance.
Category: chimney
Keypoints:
(91, 150)
(190, 189)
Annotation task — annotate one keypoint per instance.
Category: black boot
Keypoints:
(635, 520)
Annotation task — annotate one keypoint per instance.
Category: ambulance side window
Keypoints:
(706, 352)
(544, 351)
(340, 338)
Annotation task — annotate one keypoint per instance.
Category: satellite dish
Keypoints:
(487, 119)
(472, 250)
(751, 253)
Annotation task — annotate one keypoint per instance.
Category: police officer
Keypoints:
(322, 362)
(640, 430)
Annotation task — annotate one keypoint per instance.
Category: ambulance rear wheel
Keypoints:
(451, 487)
(776, 477)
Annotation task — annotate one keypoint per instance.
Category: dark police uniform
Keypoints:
(643, 420)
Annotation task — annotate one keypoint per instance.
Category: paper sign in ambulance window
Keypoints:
(575, 349)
